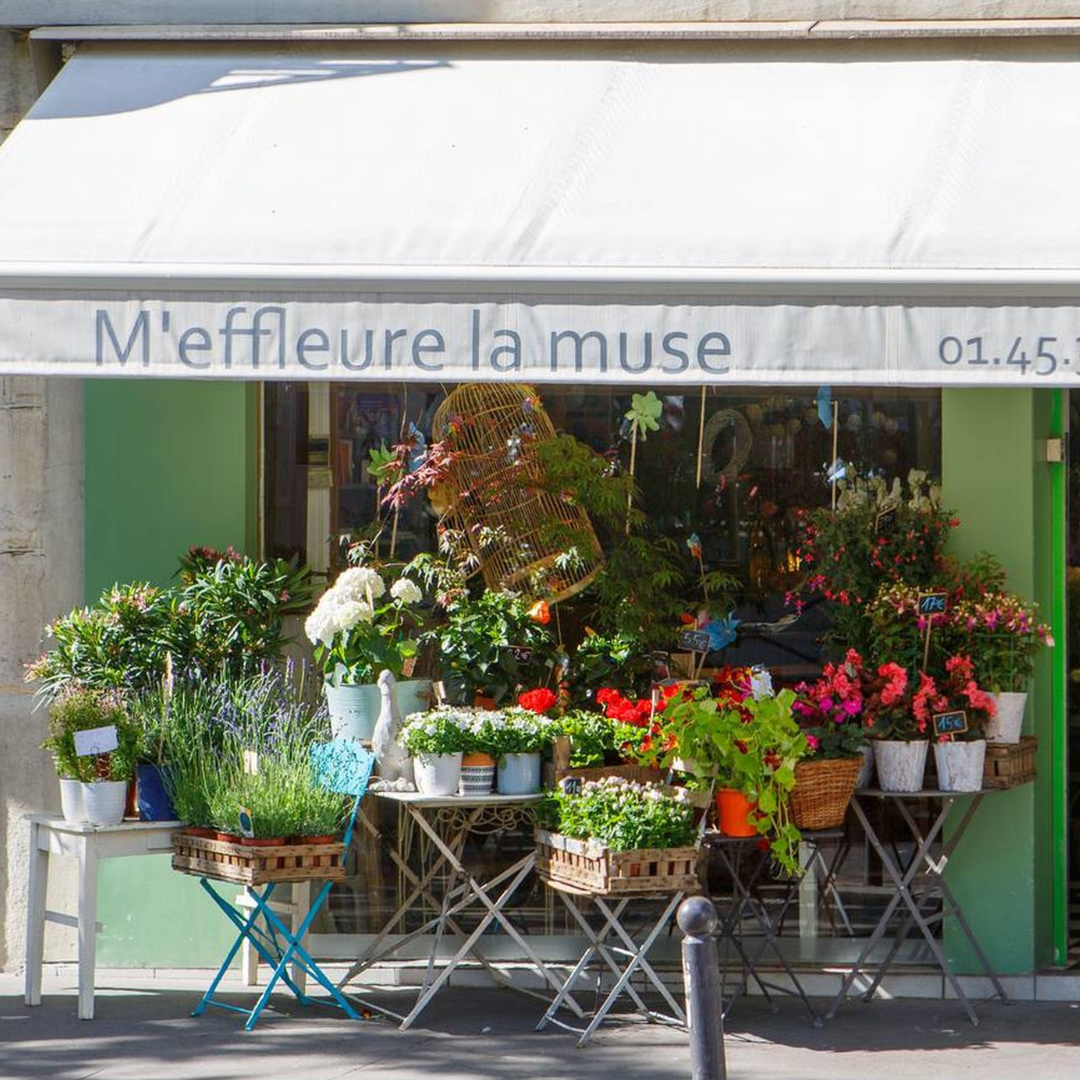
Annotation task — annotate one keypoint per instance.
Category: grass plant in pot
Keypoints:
(960, 754)
(899, 736)
(749, 746)
(519, 739)
(437, 740)
(1002, 635)
(359, 628)
(151, 713)
(830, 714)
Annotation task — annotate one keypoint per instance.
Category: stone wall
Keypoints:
(41, 543)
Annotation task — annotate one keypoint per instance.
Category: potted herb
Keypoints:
(102, 778)
(437, 739)
(1002, 636)
(899, 736)
(517, 740)
(960, 754)
(750, 746)
(359, 628)
(491, 645)
(151, 713)
(830, 714)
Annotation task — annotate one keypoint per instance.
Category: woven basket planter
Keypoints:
(822, 791)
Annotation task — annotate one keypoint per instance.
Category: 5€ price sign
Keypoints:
(94, 741)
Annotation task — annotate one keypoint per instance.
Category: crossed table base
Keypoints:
(446, 822)
(632, 952)
(919, 885)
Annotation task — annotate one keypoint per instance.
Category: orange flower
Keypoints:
(540, 612)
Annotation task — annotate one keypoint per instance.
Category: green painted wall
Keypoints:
(1001, 492)
(168, 464)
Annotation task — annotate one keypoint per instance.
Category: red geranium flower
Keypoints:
(538, 701)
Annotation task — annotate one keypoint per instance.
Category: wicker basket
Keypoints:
(254, 865)
(822, 791)
(1009, 765)
(585, 866)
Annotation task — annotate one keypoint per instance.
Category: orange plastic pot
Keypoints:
(734, 811)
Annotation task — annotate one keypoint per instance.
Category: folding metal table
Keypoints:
(919, 884)
(447, 886)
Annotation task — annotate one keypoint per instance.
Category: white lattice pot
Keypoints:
(960, 765)
(105, 801)
(900, 764)
(1007, 722)
(437, 774)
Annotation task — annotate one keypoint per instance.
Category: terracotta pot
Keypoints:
(261, 841)
(484, 701)
(198, 830)
(227, 837)
(131, 805)
(477, 759)
(733, 810)
(327, 839)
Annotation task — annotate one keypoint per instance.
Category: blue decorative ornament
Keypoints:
(722, 632)
(419, 450)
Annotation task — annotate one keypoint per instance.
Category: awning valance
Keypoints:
(875, 214)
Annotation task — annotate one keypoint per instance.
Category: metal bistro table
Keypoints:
(446, 822)
(919, 884)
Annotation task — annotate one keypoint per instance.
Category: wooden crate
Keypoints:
(246, 864)
(1009, 765)
(590, 867)
(641, 774)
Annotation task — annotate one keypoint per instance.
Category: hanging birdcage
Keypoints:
(524, 536)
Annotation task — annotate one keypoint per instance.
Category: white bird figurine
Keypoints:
(394, 761)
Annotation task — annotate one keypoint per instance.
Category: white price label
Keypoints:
(99, 740)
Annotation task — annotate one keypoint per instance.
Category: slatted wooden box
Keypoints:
(590, 867)
(1009, 765)
(244, 864)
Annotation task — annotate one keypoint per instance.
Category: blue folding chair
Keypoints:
(343, 766)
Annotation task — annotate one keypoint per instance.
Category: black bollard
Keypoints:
(701, 974)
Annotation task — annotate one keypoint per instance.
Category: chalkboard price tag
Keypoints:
(948, 724)
(521, 653)
(933, 603)
(885, 520)
(694, 640)
(94, 741)
(571, 785)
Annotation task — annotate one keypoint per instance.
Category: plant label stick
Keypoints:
(94, 741)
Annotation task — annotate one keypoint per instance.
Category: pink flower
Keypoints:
(813, 742)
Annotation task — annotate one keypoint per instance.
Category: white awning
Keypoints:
(871, 213)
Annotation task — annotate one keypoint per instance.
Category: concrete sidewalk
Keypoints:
(143, 1030)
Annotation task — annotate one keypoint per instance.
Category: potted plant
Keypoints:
(748, 745)
(151, 713)
(898, 734)
(830, 714)
(959, 754)
(359, 629)
(519, 739)
(491, 645)
(1002, 637)
(103, 778)
(437, 739)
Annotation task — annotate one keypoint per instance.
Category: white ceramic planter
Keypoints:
(72, 800)
(960, 765)
(477, 779)
(104, 801)
(519, 774)
(353, 710)
(866, 773)
(900, 765)
(1007, 722)
(437, 774)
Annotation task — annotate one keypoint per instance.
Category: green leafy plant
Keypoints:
(619, 660)
(516, 731)
(83, 709)
(475, 647)
(593, 738)
(624, 815)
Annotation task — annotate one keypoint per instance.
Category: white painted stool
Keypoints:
(50, 834)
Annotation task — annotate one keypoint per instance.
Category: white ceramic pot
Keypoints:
(477, 774)
(960, 765)
(1006, 723)
(72, 800)
(900, 765)
(105, 801)
(353, 710)
(866, 773)
(519, 774)
(437, 774)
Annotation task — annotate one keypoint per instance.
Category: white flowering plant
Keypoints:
(515, 731)
(624, 815)
(445, 730)
(359, 627)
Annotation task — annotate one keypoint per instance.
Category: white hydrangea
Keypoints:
(359, 583)
(408, 592)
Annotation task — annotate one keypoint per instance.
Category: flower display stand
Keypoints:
(252, 864)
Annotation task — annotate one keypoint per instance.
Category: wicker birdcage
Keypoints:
(523, 535)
